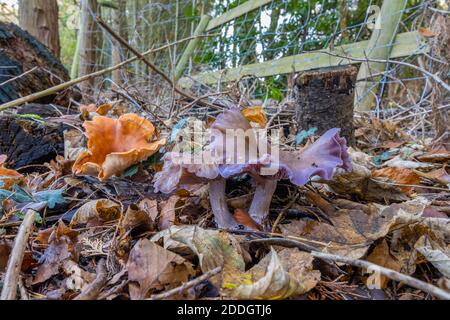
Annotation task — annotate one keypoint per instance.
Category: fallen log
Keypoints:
(29, 67)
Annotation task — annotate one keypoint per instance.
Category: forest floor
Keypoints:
(77, 237)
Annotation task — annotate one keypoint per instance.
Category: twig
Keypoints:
(65, 85)
(283, 212)
(11, 280)
(92, 291)
(391, 274)
(288, 243)
(187, 285)
(141, 57)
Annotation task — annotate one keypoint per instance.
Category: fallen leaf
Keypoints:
(381, 256)
(242, 217)
(154, 267)
(439, 154)
(9, 177)
(351, 234)
(62, 245)
(213, 248)
(256, 115)
(167, 217)
(77, 278)
(114, 145)
(400, 176)
(5, 250)
(436, 255)
(277, 276)
(425, 32)
(135, 217)
(439, 174)
(103, 210)
(150, 206)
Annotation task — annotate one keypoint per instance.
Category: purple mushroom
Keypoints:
(319, 159)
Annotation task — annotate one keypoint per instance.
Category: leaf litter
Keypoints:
(97, 204)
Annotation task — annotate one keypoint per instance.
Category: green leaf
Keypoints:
(52, 197)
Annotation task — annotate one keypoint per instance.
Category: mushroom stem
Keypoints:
(219, 207)
(259, 209)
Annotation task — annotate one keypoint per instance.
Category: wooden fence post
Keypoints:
(192, 45)
(379, 48)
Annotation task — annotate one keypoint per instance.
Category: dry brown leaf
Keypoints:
(150, 206)
(351, 235)
(439, 257)
(400, 176)
(381, 256)
(9, 177)
(242, 217)
(102, 210)
(439, 154)
(213, 248)
(167, 217)
(62, 245)
(277, 276)
(439, 174)
(135, 217)
(256, 115)
(425, 32)
(5, 250)
(154, 267)
(114, 145)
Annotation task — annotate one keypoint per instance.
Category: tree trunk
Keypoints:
(343, 19)
(119, 53)
(40, 19)
(88, 30)
(324, 100)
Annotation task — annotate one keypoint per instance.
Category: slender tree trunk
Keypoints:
(343, 12)
(88, 34)
(118, 53)
(40, 19)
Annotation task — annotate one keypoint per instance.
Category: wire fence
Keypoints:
(278, 29)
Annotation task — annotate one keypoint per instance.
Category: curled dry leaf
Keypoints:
(100, 211)
(427, 33)
(400, 176)
(242, 217)
(153, 267)
(101, 110)
(256, 115)
(5, 250)
(77, 278)
(167, 217)
(116, 144)
(277, 276)
(62, 246)
(351, 235)
(9, 177)
(136, 217)
(213, 248)
(439, 257)
(381, 256)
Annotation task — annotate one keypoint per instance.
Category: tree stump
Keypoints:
(324, 100)
(27, 141)
(27, 67)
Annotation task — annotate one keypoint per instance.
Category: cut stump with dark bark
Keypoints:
(27, 141)
(324, 100)
(27, 67)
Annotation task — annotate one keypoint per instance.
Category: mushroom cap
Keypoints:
(320, 158)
